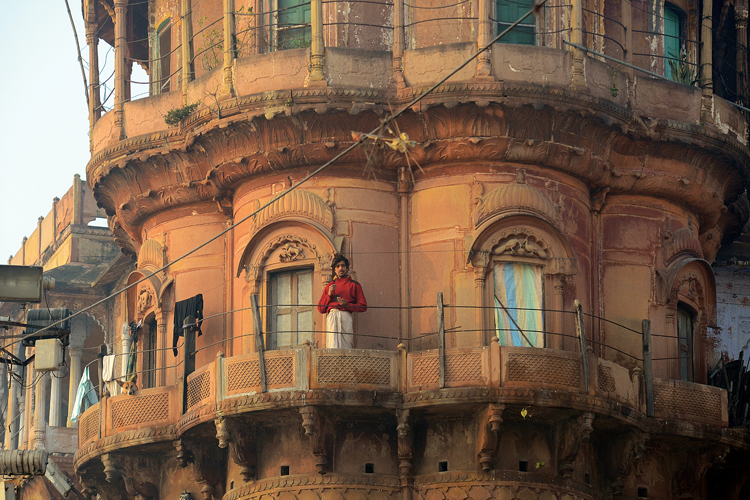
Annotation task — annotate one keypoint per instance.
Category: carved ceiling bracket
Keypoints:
(405, 447)
(319, 429)
(628, 451)
(139, 473)
(599, 198)
(208, 466)
(490, 424)
(240, 438)
(572, 434)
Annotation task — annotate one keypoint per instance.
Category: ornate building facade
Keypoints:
(544, 174)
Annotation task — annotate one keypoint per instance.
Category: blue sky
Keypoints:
(44, 125)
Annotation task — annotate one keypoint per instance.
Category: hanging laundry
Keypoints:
(182, 309)
(132, 367)
(108, 373)
(85, 396)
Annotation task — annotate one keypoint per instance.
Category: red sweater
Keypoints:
(347, 289)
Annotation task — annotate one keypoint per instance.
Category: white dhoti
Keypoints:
(340, 327)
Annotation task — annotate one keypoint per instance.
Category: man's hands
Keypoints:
(332, 290)
(341, 301)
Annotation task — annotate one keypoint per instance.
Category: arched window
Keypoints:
(287, 261)
(520, 260)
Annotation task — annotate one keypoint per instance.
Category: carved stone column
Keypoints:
(317, 77)
(40, 420)
(74, 380)
(576, 34)
(484, 61)
(480, 261)
(14, 402)
(740, 19)
(556, 324)
(127, 341)
(55, 415)
(121, 48)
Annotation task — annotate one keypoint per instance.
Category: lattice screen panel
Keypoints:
(543, 369)
(134, 410)
(243, 375)
(88, 427)
(426, 370)
(280, 371)
(198, 389)
(463, 367)
(354, 370)
(687, 401)
(606, 379)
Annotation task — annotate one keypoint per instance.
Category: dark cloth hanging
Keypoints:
(182, 309)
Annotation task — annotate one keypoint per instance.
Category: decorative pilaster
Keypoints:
(484, 61)
(405, 452)
(578, 77)
(230, 46)
(571, 435)
(740, 20)
(121, 47)
(186, 50)
(241, 442)
(317, 78)
(398, 43)
(93, 42)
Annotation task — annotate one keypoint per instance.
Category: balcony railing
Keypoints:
(232, 384)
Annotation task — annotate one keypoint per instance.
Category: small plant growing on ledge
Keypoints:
(175, 116)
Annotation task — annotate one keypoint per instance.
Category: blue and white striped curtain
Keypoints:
(518, 287)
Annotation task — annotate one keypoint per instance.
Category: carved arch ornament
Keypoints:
(149, 295)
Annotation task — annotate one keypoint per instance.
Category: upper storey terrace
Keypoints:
(563, 81)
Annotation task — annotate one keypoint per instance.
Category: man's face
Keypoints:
(341, 269)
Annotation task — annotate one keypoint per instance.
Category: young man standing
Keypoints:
(341, 297)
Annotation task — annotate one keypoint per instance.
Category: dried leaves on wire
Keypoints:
(398, 141)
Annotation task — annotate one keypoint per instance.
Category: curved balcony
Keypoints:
(514, 376)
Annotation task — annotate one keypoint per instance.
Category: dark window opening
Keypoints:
(685, 320)
(642, 492)
(523, 466)
(284, 470)
(149, 355)
(587, 478)
(369, 468)
(443, 466)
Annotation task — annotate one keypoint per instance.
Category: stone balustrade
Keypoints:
(305, 375)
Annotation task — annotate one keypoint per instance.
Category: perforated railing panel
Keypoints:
(243, 375)
(280, 370)
(89, 426)
(606, 379)
(198, 389)
(687, 401)
(354, 370)
(151, 408)
(463, 367)
(426, 370)
(543, 369)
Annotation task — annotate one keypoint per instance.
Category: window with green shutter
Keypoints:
(293, 30)
(508, 12)
(672, 33)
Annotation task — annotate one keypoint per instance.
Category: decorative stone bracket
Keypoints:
(572, 434)
(490, 424)
(319, 430)
(633, 449)
(208, 466)
(137, 472)
(241, 440)
(405, 446)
